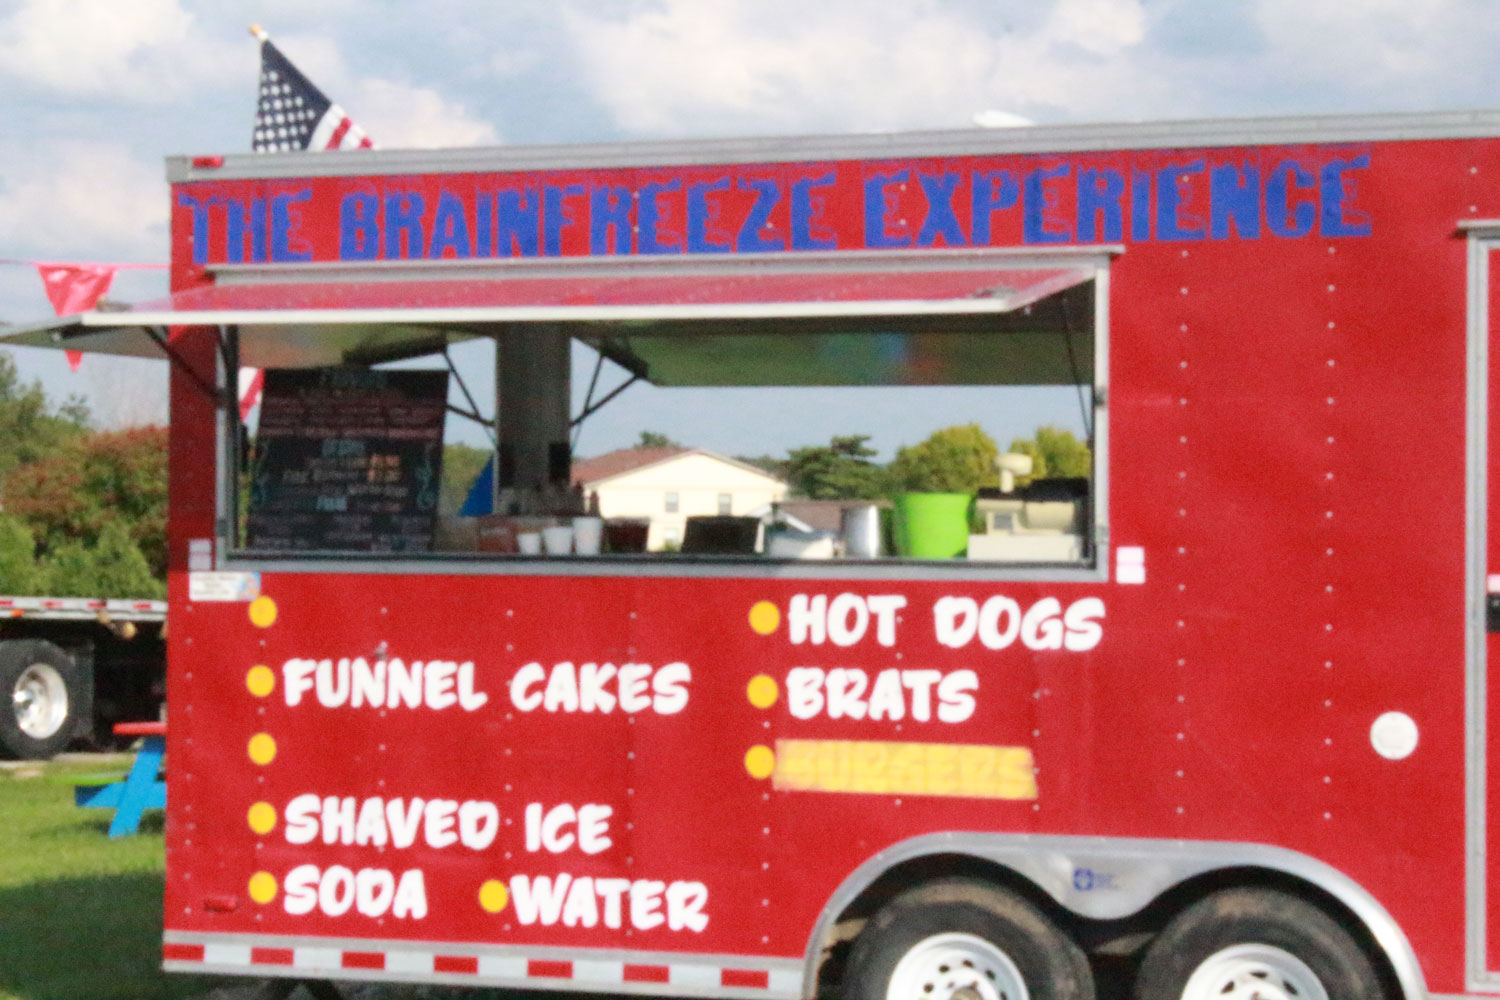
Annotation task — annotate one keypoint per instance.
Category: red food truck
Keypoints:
(1214, 717)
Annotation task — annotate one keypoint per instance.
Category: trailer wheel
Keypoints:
(1256, 944)
(965, 940)
(43, 689)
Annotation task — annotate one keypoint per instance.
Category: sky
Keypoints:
(95, 93)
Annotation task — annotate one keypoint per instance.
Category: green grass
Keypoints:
(80, 914)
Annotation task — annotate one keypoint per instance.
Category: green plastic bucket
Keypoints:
(932, 525)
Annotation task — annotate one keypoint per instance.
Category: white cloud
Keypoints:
(400, 115)
(682, 66)
(1103, 27)
(83, 200)
(143, 50)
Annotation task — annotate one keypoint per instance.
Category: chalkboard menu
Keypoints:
(347, 459)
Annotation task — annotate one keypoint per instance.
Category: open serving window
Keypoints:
(475, 412)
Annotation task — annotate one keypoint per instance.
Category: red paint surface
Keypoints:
(1256, 387)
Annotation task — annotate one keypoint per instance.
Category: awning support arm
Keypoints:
(1083, 406)
(588, 400)
(473, 412)
(591, 410)
(466, 414)
(159, 335)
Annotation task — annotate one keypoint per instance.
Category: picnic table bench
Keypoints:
(142, 789)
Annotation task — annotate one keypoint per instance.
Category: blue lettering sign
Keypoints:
(652, 215)
(556, 214)
(1140, 206)
(1338, 189)
(518, 222)
(1171, 222)
(450, 229)
(941, 220)
(484, 225)
(1234, 197)
(701, 215)
(609, 220)
(1284, 218)
(1101, 193)
(359, 226)
(286, 224)
(199, 208)
(758, 220)
(807, 212)
(241, 220)
(991, 191)
(403, 225)
(880, 204)
(1039, 221)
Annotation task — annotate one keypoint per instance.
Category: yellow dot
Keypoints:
(262, 748)
(764, 617)
(493, 896)
(260, 681)
(760, 761)
(262, 887)
(762, 691)
(262, 817)
(263, 612)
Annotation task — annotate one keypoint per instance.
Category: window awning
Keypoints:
(306, 315)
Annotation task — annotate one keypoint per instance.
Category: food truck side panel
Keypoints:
(1266, 394)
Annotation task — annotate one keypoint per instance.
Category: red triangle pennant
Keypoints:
(72, 288)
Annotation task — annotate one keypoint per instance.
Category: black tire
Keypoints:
(995, 934)
(1235, 937)
(41, 689)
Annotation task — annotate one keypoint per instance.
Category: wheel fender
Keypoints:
(1105, 878)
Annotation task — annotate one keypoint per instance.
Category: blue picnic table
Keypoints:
(142, 789)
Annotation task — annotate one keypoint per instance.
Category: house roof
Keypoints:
(588, 472)
(823, 515)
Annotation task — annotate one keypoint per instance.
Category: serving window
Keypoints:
(806, 414)
(846, 434)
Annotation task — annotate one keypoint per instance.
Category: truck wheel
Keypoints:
(41, 686)
(1241, 944)
(965, 940)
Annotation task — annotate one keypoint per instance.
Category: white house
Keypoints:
(669, 485)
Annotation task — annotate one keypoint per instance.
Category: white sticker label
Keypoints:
(223, 586)
(1130, 564)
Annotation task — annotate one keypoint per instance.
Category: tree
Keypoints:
(957, 459)
(71, 496)
(31, 428)
(113, 566)
(839, 470)
(19, 572)
(653, 439)
(1055, 453)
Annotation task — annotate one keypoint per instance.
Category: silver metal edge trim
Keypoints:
(464, 979)
(1186, 859)
(957, 570)
(789, 262)
(1100, 409)
(1202, 133)
(1475, 775)
(542, 314)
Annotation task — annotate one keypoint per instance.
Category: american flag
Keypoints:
(292, 114)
